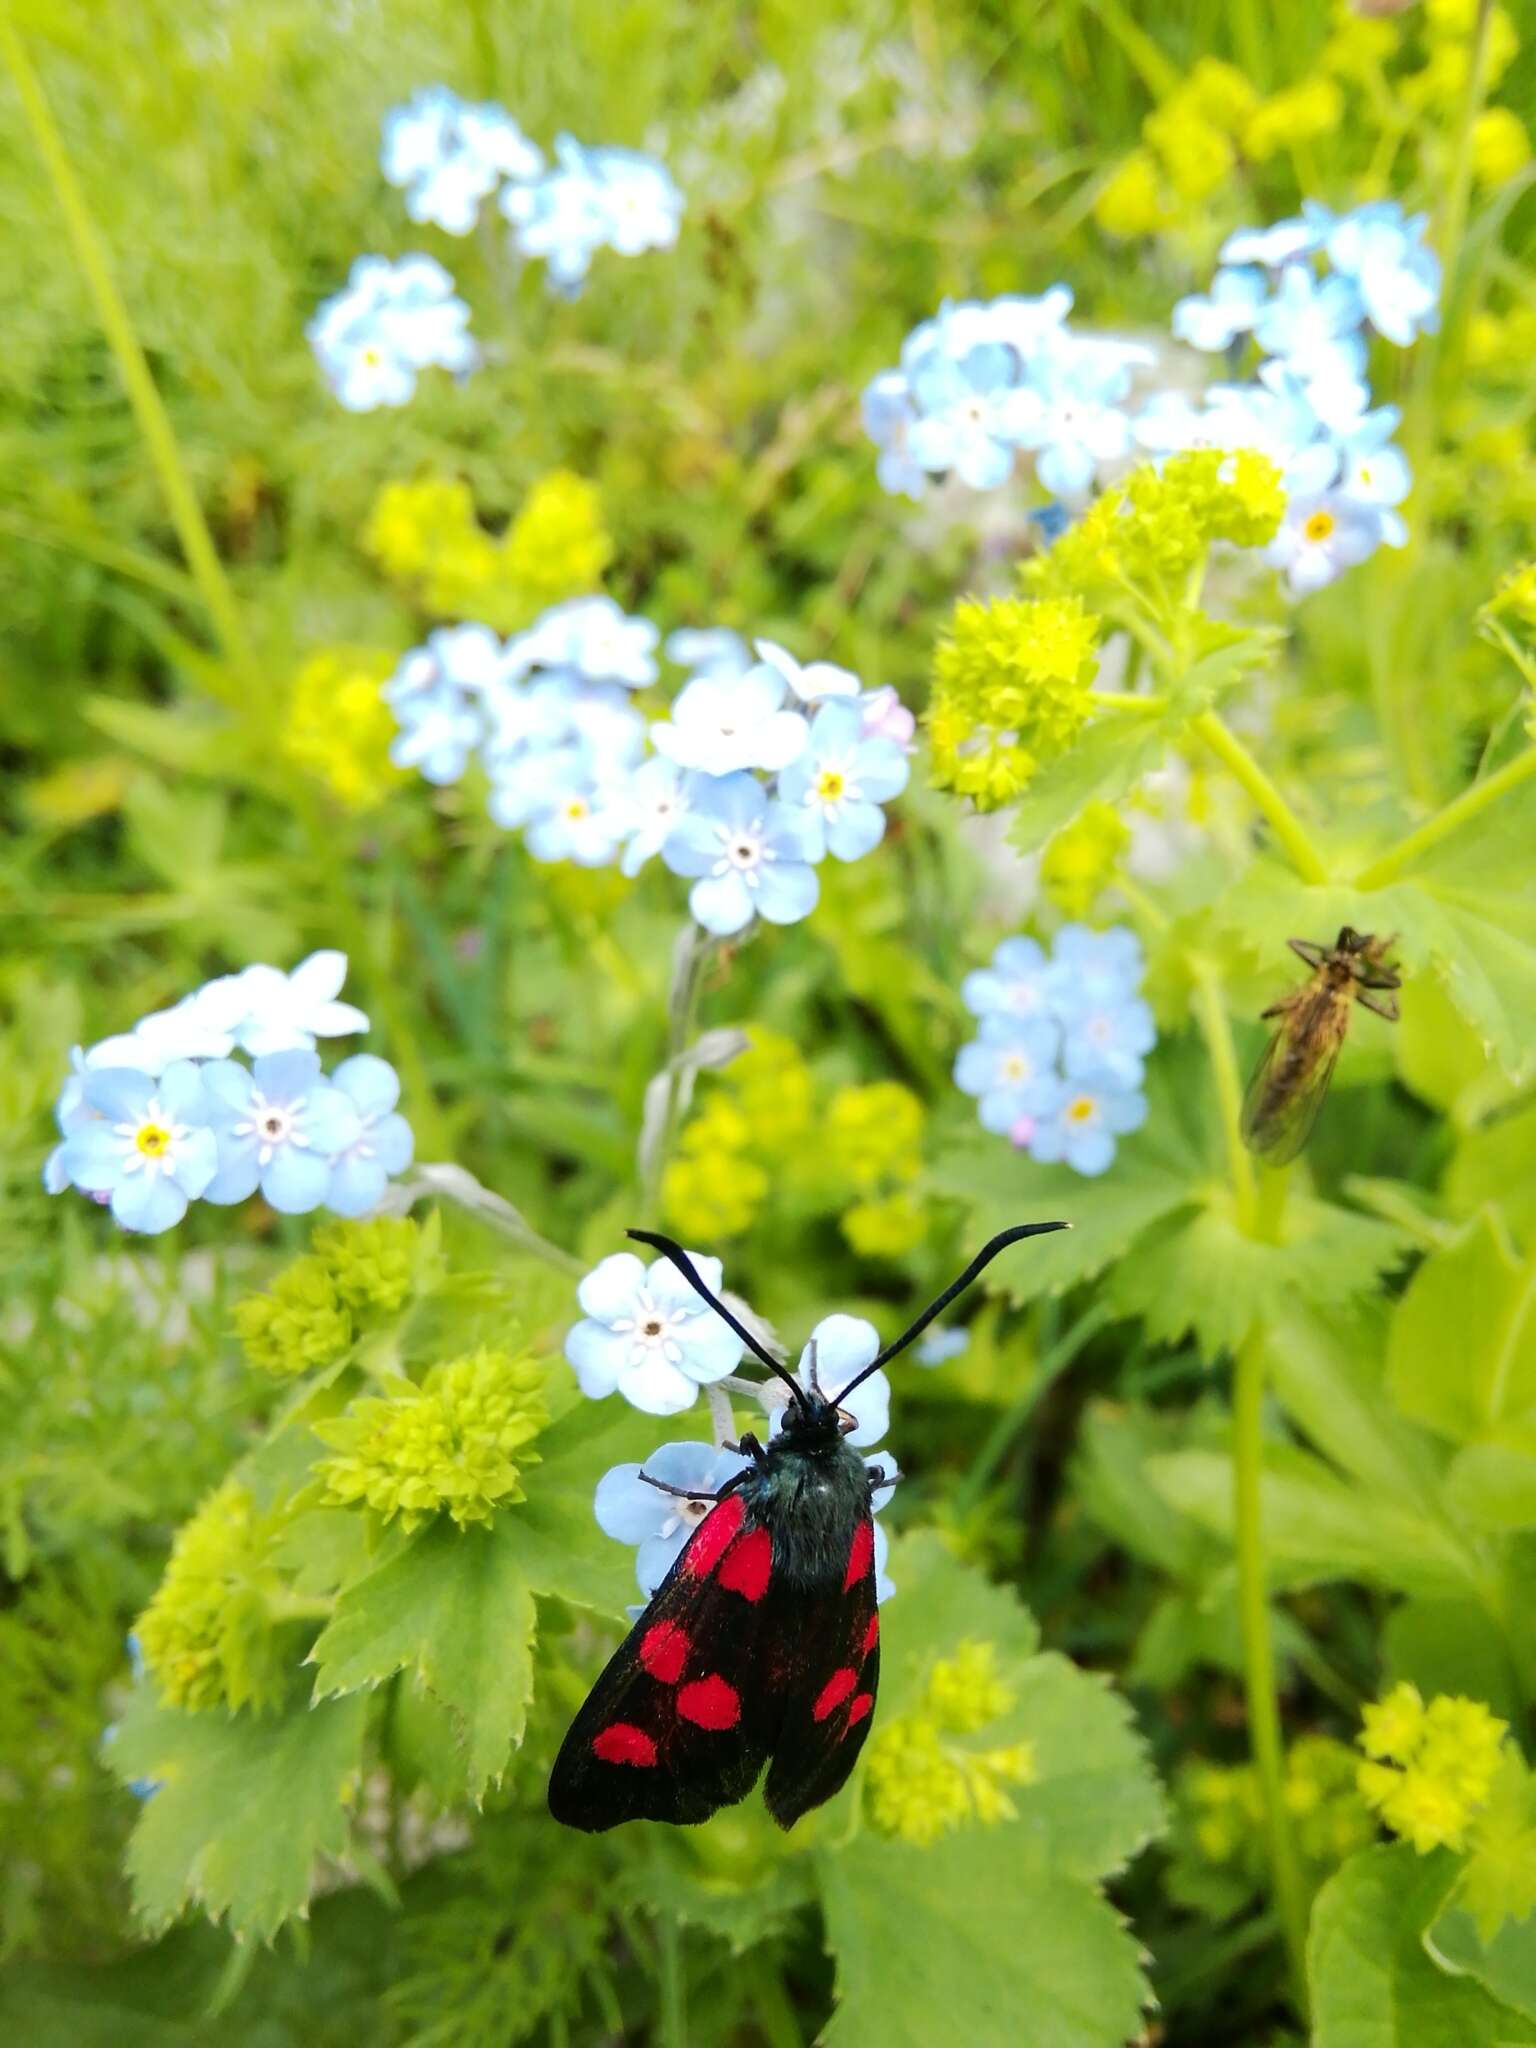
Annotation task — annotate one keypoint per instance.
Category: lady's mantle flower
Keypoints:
(1081, 1125)
(446, 155)
(840, 781)
(751, 856)
(1431, 1767)
(1011, 1066)
(657, 1523)
(722, 724)
(460, 1442)
(384, 1144)
(1320, 538)
(279, 1126)
(393, 320)
(1011, 684)
(922, 1781)
(1235, 300)
(147, 1143)
(205, 1636)
(647, 1335)
(299, 1322)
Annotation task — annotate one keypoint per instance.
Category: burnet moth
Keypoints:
(762, 1644)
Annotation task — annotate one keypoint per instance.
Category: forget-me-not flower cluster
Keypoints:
(448, 156)
(392, 321)
(165, 1114)
(1308, 294)
(763, 767)
(648, 1336)
(1058, 1058)
(984, 382)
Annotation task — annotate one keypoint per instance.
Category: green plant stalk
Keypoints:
(1011, 1422)
(1259, 1684)
(672, 2019)
(1283, 821)
(149, 409)
(1210, 1013)
(1127, 700)
(1450, 818)
(693, 951)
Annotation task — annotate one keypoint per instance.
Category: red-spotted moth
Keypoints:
(762, 1644)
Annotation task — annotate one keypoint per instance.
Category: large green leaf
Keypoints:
(245, 1805)
(1496, 1162)
(1318, 1526)
(458, 1607)
(1461, 1353)
(1373, 1983)
(1195, 1273)
(979, 1938)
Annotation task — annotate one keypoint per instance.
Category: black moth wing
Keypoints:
(697, 1646)
(823, 1665)
(1291, 1079)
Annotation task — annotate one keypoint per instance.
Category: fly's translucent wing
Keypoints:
(1290, 1081)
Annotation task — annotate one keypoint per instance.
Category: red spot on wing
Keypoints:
(623, 1743)
(834, 1692)
(862, 1555)
(713, 1537)
(664, 1651)
(710, 1702)
(871, 1636)
(749, 1566)
(863, 1705)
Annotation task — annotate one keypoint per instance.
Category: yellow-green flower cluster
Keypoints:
(875, 1140)
(426, 536)
(1156, 527)
(921, 1782)
(1224, 1808)
(754, 1119)
(338, 727)
(1011, 690)
(457, 1443)
(1428, 1768)
(206, 1635)
(1188, 150)
(1079, 864)
(356, 1274)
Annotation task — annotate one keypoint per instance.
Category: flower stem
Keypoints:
(1012, 1420)
(149, 409)
(451, 1183)
(1259, 1683)
(1283, 821)
(1127, 700)
(1216, 1029)
(672, 2020)
(1450, 818)
(674, 1081)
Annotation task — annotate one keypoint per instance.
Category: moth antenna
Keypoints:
(815, 1370)
(671, 1249)
(936, 1307)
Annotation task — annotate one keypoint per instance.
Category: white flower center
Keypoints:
(1013, 1066)
(652, 1330)
(743, 852)
(273, 1125)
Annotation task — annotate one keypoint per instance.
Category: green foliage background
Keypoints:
(1070, 1496)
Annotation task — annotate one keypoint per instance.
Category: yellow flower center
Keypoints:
(576, 807)
(371, 357)
(153, 1140)
(830, 785)
(1318, 526)
(1082, 1109)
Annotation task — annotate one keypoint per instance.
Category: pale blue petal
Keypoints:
(181, 1094)
(597, 1357)
(722, 904)
(609, 1289)
(284, 1076)
(197, 1161)
(119, 1093)
(92, 1157)
(371, 1084)
(626, 1508)
(295, 1182)
(227, 1085)
(657, 1555)
(393, 1143)
(237, 1174)
(148, 1205)
(331, 1121)
(355, 1185)
(856, 830)
(787, 893)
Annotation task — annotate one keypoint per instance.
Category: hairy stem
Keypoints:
(675, 1079)
(149, 409)
(1011, 1422)
(1259, 1682)
(1283, 821)
(1450, 818)
(1211, 1014)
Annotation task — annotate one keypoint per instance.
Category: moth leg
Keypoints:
(1308, 950)
(748, 1447)
(877, 1478)
(1276, 1009)
(686, 1492)
(1383, 1005)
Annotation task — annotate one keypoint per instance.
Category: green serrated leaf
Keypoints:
(1318, 1526)
(1461, 1352)
(1326, 1258)
(1498, 1885)
(1373, 1983)
(245, 1805)
(456, 1607)
(1496, 1162)
(977, 1938)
